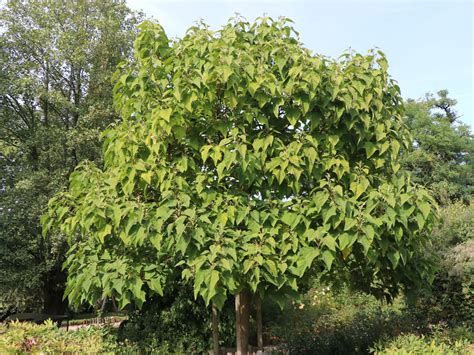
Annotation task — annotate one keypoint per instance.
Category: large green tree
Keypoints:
(443, 148)
(246, 163)
(57, 59)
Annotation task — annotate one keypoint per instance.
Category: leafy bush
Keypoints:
(178, 321)
(456, 226)
(341, 322)
(19, 337)
(414, 344)
(452, 297)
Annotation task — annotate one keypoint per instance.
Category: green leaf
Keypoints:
(380, 132)
(425, 208)
(369, 231)
(349, 223)
(420, 220)
(105, 231)
(328, 258)
(395, 148)
(117, 215)
(147, 177)
(328, 213)
(360, 187)
(155, 285)
(394, 257)
(320, 199)
(136, 288)
(212, 289)
(307, 255)
(205, 152)
(165, 114)
(226, 72)
(370, 149)
(289, 218)
(330, 242)
(311, 155)
(346, 240)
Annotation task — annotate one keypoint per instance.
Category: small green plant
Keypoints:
(414, 344)
(19, 337)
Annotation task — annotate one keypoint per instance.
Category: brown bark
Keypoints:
(258, 309)
(215, 330)
(242, 322)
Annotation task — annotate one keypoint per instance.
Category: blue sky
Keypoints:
(429, 44)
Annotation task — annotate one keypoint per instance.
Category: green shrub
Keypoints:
(456, 226)
(177, 321)
(19, 337)
(413, 344)
(452, 297)
(341, 322)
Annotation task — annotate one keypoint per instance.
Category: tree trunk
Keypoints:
(102, 307)
(215, 330)
(258, 309)
(114, 305)
(242, 322)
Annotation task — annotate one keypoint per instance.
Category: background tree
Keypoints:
(249, 163)
(57, 59)
(443, 149)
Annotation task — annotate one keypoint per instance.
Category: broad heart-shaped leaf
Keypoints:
(394, 257)
(425, 208)
(420, 220)
(106, 230)
(346, 240)
(290, 219)
(328, 213)
(360, 186)
(136, 288)
(305, 260)
(366, 242)
(212, 289)
(205, 152)
(328, 258)
(155, 285)
(330, 242)
(320, 199)
(370, 148)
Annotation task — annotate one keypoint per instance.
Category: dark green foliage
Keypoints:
(341, 322)
(442, 156)
(452, 296)
(56, 63)
(177, 321)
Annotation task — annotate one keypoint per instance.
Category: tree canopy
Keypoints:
(245, 161)
(443, 148)
(57, 59)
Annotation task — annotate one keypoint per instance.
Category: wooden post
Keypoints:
(215, 330)
(242, 322)
(258, 309)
